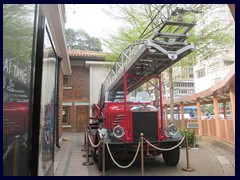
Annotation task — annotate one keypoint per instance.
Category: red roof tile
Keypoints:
(85, 53)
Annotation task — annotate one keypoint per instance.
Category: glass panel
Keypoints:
(65, 114)
(47, 113)
(18, 38)
(66, 80)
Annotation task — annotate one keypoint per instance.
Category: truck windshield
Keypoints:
(140, 96)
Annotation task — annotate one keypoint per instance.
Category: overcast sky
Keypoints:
(91, 18)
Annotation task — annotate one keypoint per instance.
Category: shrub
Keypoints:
(191, 138)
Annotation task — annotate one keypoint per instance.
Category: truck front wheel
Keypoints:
(171, 158)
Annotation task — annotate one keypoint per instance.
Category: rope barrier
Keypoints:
(135, 156)
(92, 142)
(23, 143)
(8, 150)
(168, 149)
(10, 147)
(119, 164)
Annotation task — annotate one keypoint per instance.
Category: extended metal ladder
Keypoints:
(146, 59)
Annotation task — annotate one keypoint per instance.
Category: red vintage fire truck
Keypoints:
(121, 123)
(120, 117)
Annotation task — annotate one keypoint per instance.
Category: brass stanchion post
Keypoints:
(142, 157)
(15, 164)
(87, 163)
(188, 168)
(87, 145)
(103, 158)
(84, 149)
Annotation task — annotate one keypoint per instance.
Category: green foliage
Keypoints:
(80, 39)
(111, 57)
(70, 37)
(207, 109)
(18, 30)
(191, 138)
(211, 34)
(203, 40)
(134, 18)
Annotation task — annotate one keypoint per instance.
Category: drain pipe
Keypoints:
(57, 103)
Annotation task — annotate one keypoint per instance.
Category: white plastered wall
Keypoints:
(98, 74)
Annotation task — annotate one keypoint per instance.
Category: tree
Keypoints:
(135, 18)
(207, 109)
(18, 30)
(203, 40)
(213, 33)
(80, 39)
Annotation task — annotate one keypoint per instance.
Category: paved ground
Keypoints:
(209, 159)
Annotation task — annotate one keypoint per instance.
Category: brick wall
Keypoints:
(78, 93)
(79, 84)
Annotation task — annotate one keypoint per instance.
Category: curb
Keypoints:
(219, 143)
(225, 145)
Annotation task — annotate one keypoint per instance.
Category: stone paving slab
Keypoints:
(207, 160)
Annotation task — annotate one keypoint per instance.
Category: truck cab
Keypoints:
(120, 124)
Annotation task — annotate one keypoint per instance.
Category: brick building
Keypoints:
(81, 88)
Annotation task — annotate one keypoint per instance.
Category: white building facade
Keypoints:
(208, 71)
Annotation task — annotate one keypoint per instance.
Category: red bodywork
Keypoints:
(15, 119)
(114, 109)
(121, 124)
(107, 112)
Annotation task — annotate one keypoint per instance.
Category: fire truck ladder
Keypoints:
(146, 59)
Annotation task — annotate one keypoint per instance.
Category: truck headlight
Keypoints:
(171, 130)
(118, 131)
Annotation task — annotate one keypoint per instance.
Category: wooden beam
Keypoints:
(232, 9)
(182, 115)
(232, 98)
(224, 83)
(226, 129)
(199, 117)
(208, 128)
(224, 110)
(216, 112)
(166, 115)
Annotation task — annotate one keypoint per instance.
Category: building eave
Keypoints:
(56, 19)
(94, 63)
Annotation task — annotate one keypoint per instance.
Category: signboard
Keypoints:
(193, 125)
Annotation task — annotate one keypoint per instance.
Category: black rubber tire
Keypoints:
(100, 159)
(172, 157)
